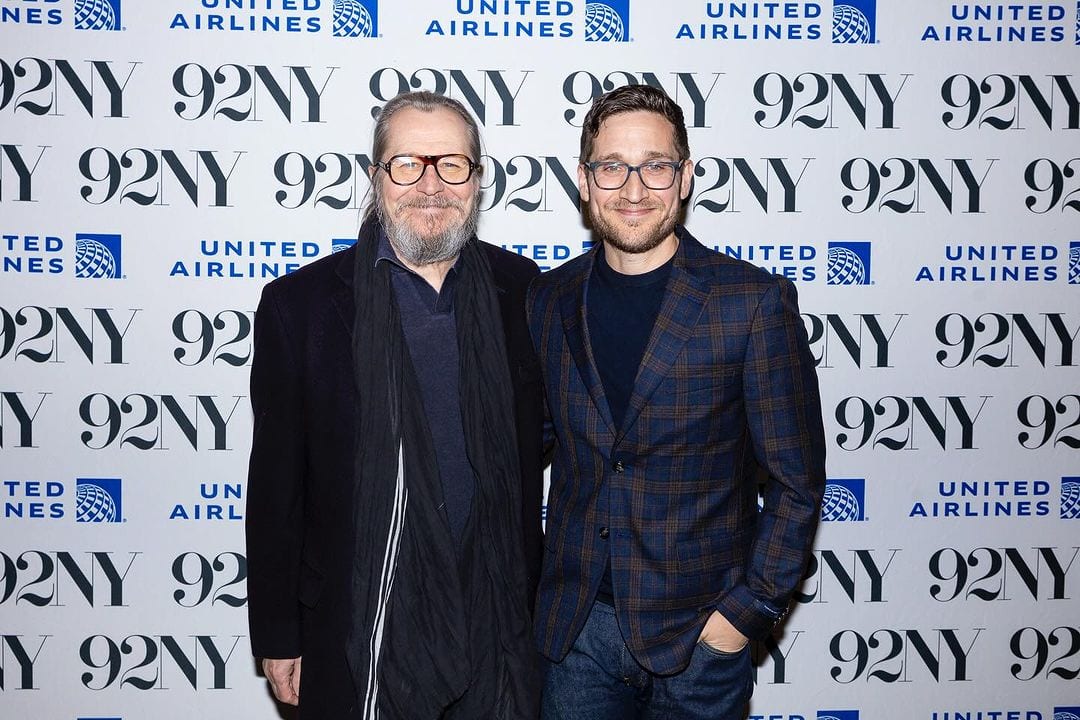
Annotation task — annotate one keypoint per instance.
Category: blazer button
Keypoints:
(604, 533)
(618, 466)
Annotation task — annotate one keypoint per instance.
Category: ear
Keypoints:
(372, 169)
(583, 182)
(686, 177)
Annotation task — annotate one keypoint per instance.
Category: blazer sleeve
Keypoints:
(783, 412)
(275, 489)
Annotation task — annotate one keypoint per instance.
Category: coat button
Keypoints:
(618, 466)
(604, 533)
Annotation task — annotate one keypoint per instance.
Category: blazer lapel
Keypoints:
(683, 304)
(575, 328)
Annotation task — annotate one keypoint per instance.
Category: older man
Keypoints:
(393, 509)
(677, 379)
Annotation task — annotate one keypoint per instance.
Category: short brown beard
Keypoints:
(609, 236)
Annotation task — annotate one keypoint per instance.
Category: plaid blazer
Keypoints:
(726, 397)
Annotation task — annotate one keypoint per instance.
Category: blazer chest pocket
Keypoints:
(699, 385)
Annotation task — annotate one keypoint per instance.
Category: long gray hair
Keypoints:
(424, 101)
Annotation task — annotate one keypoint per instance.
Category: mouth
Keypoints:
(635, 212)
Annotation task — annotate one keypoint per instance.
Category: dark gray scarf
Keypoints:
(434, 635)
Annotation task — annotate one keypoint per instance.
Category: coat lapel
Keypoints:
(345, 271)
(684, 301)
(572, 308)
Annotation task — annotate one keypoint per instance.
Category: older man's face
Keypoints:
(430, 220)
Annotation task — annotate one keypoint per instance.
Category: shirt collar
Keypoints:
(437, 302)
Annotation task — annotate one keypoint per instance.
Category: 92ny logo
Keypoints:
(55, 334)
(143, 662)
(41, 87)
(145, 422)
(250, 93)
(53, 578)
(1001, 574)
(1000, 102)
(892, 422)
(149, 177)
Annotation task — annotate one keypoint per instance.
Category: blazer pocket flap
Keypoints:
(311, 585)
(706, 555)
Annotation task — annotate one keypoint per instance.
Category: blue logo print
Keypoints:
(848, 263)
(339, 244)
(1078, 22)
(1071, 712)
(1074, 263)
(854, 21)
(356, 18)
(607, 21)
(838, 715)
(97, 500)
(97, 256)
(844, 501)
(1070, 498)
(97, 14)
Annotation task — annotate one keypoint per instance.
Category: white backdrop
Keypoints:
(161, 161)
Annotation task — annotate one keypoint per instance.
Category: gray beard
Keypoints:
(419, 250)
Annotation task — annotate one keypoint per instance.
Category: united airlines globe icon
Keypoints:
(603, 24)
(845, 267)
(1074, 266)
(94, 15)
(1070, 501)
(351, 19)
(839, 504)
(1066, 716)
(93, 260)
(849, 25)
(92, 504)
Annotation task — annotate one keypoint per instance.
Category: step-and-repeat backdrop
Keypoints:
(914, 166)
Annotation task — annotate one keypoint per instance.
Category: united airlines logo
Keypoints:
(1070, 498)
(838, 715)
(848, 263)
(1071, 712)
(607, 21)
(356, 18)
(854, 21)
(1078, 23)
(97, 14)
(97, 256)
(97, 500)
(339, 244)
(1074, 263)
(844, 501)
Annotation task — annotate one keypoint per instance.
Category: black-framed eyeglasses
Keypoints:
(654, 174)
(452, 168)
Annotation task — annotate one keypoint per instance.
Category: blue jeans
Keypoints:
(600, 680)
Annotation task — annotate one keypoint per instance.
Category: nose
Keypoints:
(430, 183)
(633, 190)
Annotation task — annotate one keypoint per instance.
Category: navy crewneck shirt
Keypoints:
(621, 311)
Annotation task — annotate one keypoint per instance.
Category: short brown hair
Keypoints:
(631, 98)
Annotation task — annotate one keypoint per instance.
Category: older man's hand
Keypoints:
(284, 677)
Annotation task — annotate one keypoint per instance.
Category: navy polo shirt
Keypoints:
(430, 328)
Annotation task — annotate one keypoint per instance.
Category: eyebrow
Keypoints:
(651, 155)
